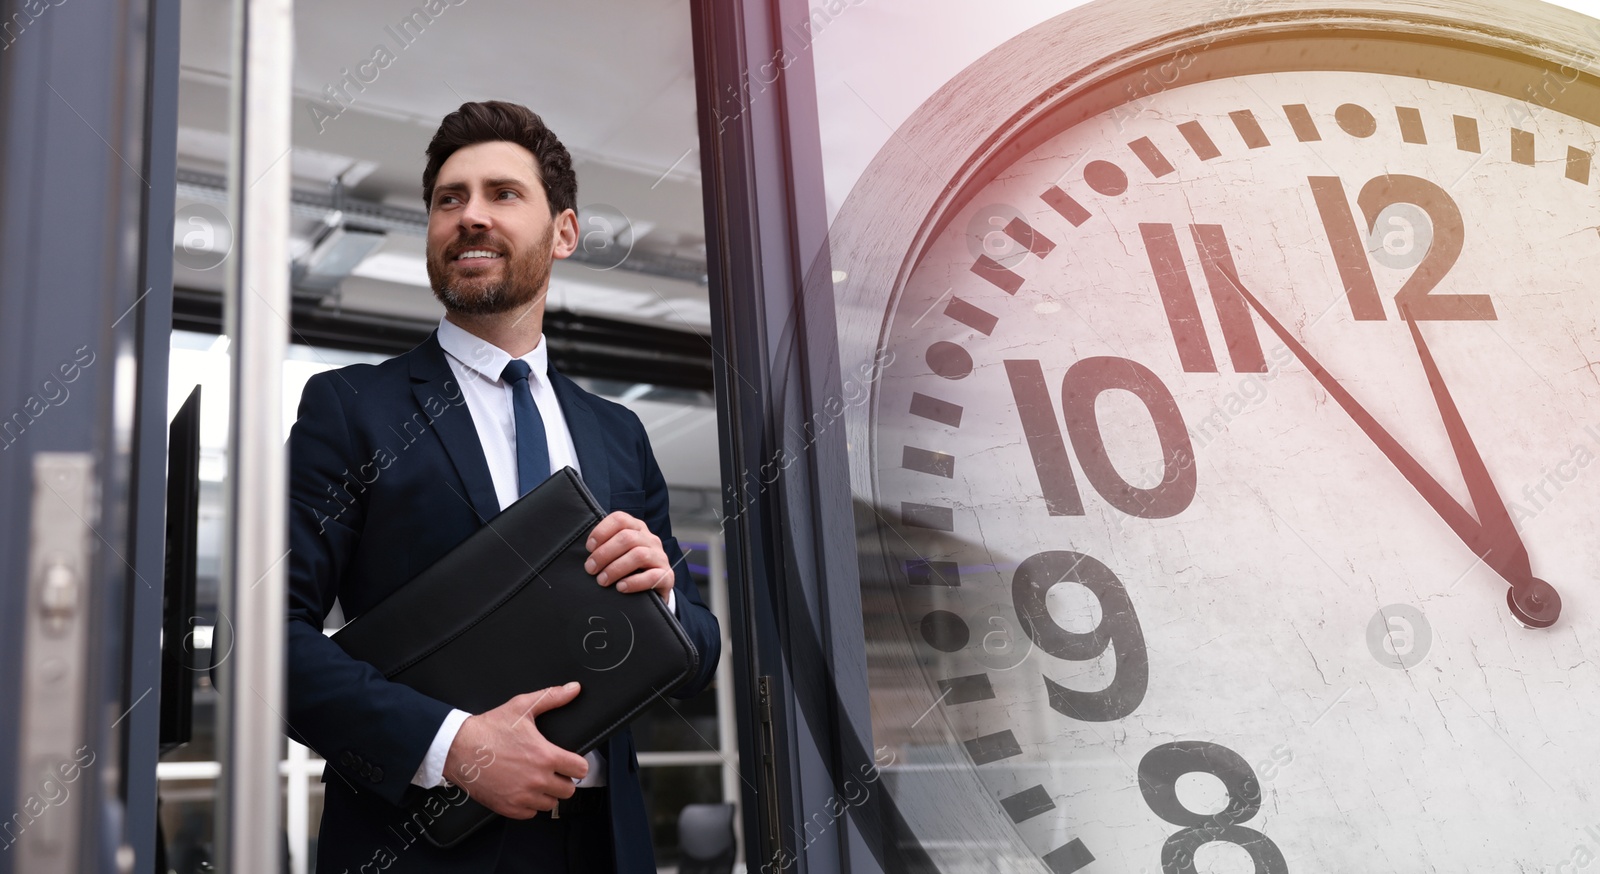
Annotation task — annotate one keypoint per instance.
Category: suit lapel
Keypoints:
(587, 437)
(434, 385)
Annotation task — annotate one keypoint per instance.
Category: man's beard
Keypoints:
(525, 274)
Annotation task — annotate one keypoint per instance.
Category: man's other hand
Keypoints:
(622, 550)
(505, 764)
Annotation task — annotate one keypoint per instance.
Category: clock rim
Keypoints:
(922, 173)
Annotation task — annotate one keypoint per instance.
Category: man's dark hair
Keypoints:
(493, 120)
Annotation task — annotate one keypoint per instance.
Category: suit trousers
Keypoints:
(576, 842)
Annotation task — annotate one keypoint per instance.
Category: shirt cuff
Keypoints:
(431, 772)
(672, 601)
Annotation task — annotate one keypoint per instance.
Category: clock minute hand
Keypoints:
(1533, 601)
(1453, 514)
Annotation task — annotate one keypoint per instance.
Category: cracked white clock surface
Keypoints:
(1238, 429)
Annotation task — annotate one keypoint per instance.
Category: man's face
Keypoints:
(491, 238)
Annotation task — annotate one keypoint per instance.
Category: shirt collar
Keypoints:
(483, 357)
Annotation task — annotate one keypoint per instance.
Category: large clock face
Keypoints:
(1237, 467)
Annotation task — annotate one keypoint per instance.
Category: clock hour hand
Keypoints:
(1524, 587)
(1533, 601)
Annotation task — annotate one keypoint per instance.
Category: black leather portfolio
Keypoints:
(511, 610)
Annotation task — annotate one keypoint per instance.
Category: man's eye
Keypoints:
(505, 191)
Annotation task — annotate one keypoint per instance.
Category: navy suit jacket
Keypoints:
(386, 475)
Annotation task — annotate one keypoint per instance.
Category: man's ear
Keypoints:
(565, 239)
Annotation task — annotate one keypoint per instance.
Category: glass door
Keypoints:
(1183, 535)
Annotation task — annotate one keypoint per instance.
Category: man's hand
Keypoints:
(505, 764)
(621, 548)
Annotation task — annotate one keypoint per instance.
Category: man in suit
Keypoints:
(392, 465)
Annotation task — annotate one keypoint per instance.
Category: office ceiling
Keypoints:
(615, 80)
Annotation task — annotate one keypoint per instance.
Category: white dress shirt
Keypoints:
(477, 365)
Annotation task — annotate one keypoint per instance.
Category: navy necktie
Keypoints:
(533, 452)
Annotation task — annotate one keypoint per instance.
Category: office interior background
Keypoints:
(629, 316)
(736, 162)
